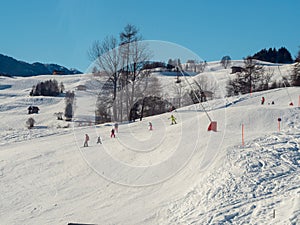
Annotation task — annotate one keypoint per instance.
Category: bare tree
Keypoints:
(202, 89)
(265, 80)
(206, 84)
(200, 66)
(249, 80)
(107, 57)
(295, 76)
(135, 55)
(61, 87)
(103, 105)
(225, 61)
(252, 74)
(123, 65)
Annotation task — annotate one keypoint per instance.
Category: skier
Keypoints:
(99, 140)
(173, 120)
(116, 127)
(112, 134)
(262, 100)
(87, 138)
(150, 126)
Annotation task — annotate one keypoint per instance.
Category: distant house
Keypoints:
(237, 69)
(33, 109)
(81, 87)
(57, 72)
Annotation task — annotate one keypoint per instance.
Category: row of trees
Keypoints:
(282, 55)
(250, 80)
(47, 88)
(254, 77)
(122, 62)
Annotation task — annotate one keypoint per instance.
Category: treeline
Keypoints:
(47, 88)
(255, 77)
(125, 62)
(282, 55)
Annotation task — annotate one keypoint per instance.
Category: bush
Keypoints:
(70, 101)
(30, 122)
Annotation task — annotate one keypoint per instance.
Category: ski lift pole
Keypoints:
(291, 103)
(197, 96)
(213, 124)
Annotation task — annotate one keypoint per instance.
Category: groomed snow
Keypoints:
(179, 174)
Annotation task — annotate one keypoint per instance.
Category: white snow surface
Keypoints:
(179, 174)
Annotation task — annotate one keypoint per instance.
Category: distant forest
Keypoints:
(282, 55)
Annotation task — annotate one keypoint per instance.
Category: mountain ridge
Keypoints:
(10, 66)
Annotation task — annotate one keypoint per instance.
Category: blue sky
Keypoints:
(62, 31)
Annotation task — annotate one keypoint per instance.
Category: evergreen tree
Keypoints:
(274, 56)
(250, 80)
(298, 57)
(284, 56)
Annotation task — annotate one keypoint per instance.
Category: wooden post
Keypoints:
(279, 120)
(243, 142)
(273, 213)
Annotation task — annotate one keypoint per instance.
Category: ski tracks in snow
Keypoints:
(255, 181)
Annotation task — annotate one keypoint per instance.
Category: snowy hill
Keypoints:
(179, 174)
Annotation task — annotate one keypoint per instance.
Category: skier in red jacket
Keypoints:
(262, 100)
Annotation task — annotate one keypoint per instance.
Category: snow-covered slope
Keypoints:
(178, 174)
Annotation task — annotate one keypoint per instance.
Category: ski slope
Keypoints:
(175, 174)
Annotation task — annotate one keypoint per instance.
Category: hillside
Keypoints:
(180, 174)
(12, 67)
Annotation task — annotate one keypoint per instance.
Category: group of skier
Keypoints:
(87, 138)
(263, 101)
(115, 130)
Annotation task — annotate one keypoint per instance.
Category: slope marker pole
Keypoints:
(243, 141)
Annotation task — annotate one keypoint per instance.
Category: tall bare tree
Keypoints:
(108, 59)
(135, 55)
(122, 63)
